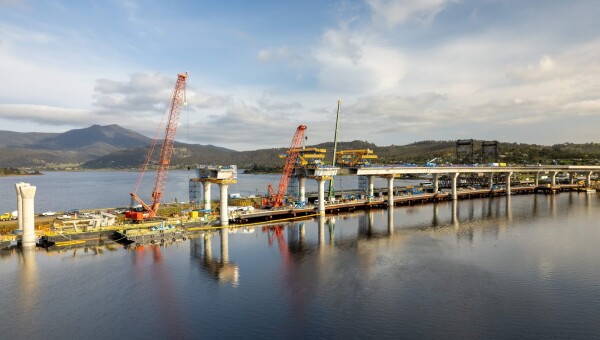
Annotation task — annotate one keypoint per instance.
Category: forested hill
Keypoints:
(114, 147)
(419, 152)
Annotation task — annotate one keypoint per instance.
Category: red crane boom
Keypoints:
(276, 200)
(164, 160)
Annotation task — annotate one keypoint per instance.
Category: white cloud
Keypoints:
(352, 62)
(397, 12)
(280, 53)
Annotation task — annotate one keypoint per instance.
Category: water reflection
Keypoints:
(221, 269)
(28, 288)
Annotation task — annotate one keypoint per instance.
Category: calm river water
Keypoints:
(519, 267)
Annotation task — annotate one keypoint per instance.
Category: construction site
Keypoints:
(148, 223)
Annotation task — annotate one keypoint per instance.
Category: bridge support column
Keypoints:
(321, 184)
(371, 186)
(553, 178)
(508, 176)
(454, 180)
(588, 179)
(436, 183)
(491, 181)
(27, 196)
(206, 187)
(20, 203)
(571, 177)
(390, 191)
(536, 179)
(302, 184)
(224, 213)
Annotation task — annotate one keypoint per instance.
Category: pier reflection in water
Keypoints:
(220, 268)
(524, 266)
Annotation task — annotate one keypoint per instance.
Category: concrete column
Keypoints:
(371, 186)
(553, 178)
(223, 197)
(20, 203)
(206, 186)
(536, 179)
(436, 183)
(491, 181)
(390, 192)
(27, 196)
(224, 245)
(302, 188)
(454, 191)
(588, 179)
(321, 184)
(571, 177)
(508, 176)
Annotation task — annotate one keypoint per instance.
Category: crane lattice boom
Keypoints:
(288, 168)
(164, 160)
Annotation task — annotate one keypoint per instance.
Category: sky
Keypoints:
(405, 70)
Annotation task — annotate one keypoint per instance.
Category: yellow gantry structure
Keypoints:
(308, 156)
(351, 158)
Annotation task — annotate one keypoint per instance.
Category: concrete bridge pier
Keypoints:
(302, 187)
(553, 178)
(390, 183)
(321, 184)
(206, 187)
(27, 197)
(588, 179)
(508, 176)
(20, 203)
(454, 179)
(371, 186)
(436, 183)
(536, 179)
(571, 177)
(491, 181)
(223, 196)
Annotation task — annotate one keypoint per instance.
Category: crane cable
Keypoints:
(153, 145)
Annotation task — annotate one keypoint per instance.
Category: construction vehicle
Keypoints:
(352, 158)
(276, 199)
(9, 216)
(164, 160)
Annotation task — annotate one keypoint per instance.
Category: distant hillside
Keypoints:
(113, 147)
(21, 139)
(94, 136)
(68, 149)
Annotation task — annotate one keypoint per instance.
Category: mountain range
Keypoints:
(114, 147)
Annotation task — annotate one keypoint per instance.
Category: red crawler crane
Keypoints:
(276, 200)
(164, 160)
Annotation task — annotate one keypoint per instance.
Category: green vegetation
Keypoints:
(17, 172)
